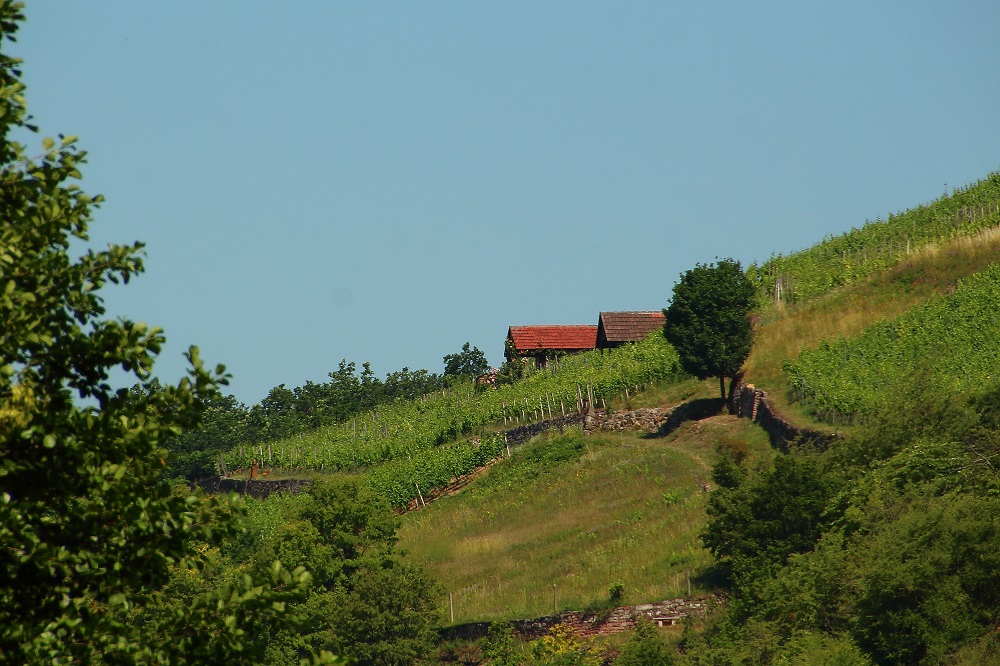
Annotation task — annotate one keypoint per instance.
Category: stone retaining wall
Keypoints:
(647, 419)
(523, 433)
(624, 618)
(752, 403)
(652, 419)
(257, 489)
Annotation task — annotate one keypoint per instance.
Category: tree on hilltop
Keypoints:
(708, 322)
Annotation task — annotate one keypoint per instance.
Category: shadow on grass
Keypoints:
(695, 410)
(715, 577)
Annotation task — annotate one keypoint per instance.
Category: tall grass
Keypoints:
(578, 512)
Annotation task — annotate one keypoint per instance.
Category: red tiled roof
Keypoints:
(533, 338)
(628, 326)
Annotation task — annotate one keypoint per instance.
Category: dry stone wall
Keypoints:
(523, 433)
(752, 403)
(257, 489)
(582, 624)
(649, 419)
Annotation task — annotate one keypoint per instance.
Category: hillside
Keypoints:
(581, 512)
(852, 552)
(922, 460)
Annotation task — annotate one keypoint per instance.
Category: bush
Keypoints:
(646, 647)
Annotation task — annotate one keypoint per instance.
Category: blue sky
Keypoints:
(385, 181)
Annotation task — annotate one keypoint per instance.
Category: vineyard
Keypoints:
(856, 254)
(954, 339)
(413, 432)
(401, 481)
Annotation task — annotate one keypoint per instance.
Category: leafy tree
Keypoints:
(757, 520)
(471, 362)
(89, 527)
(708, 322)
(366, 601)
(194, 454)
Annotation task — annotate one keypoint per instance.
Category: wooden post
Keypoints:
(555, 609)
(687, 574)
(451, 607)
(422, 503)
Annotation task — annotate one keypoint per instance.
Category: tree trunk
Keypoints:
(722, 387)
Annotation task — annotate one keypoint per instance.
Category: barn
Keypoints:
(616, 328)
(545, 342)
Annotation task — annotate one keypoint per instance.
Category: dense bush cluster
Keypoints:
(882, 550)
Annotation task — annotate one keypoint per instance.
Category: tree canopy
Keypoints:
(89, 527)
(708, 321)
(471, 362)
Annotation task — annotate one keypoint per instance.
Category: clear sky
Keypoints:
(385, 181)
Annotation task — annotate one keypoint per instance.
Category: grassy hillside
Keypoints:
(880, 550)
(876, 551)
(581, 512)
(951, 342)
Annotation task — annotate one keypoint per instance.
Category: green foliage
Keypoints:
(365, 601)
(405, 429)
(398, 480)
(756, 521)
(858, 253)
(937, 583)
(195, 452)
(468, 362)
(646, 647)
(561, 648)
(500, 646)
(903, 566)
(708, 321)
(285, 412)
(387, 615)
(952, 342)
(90, 530)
